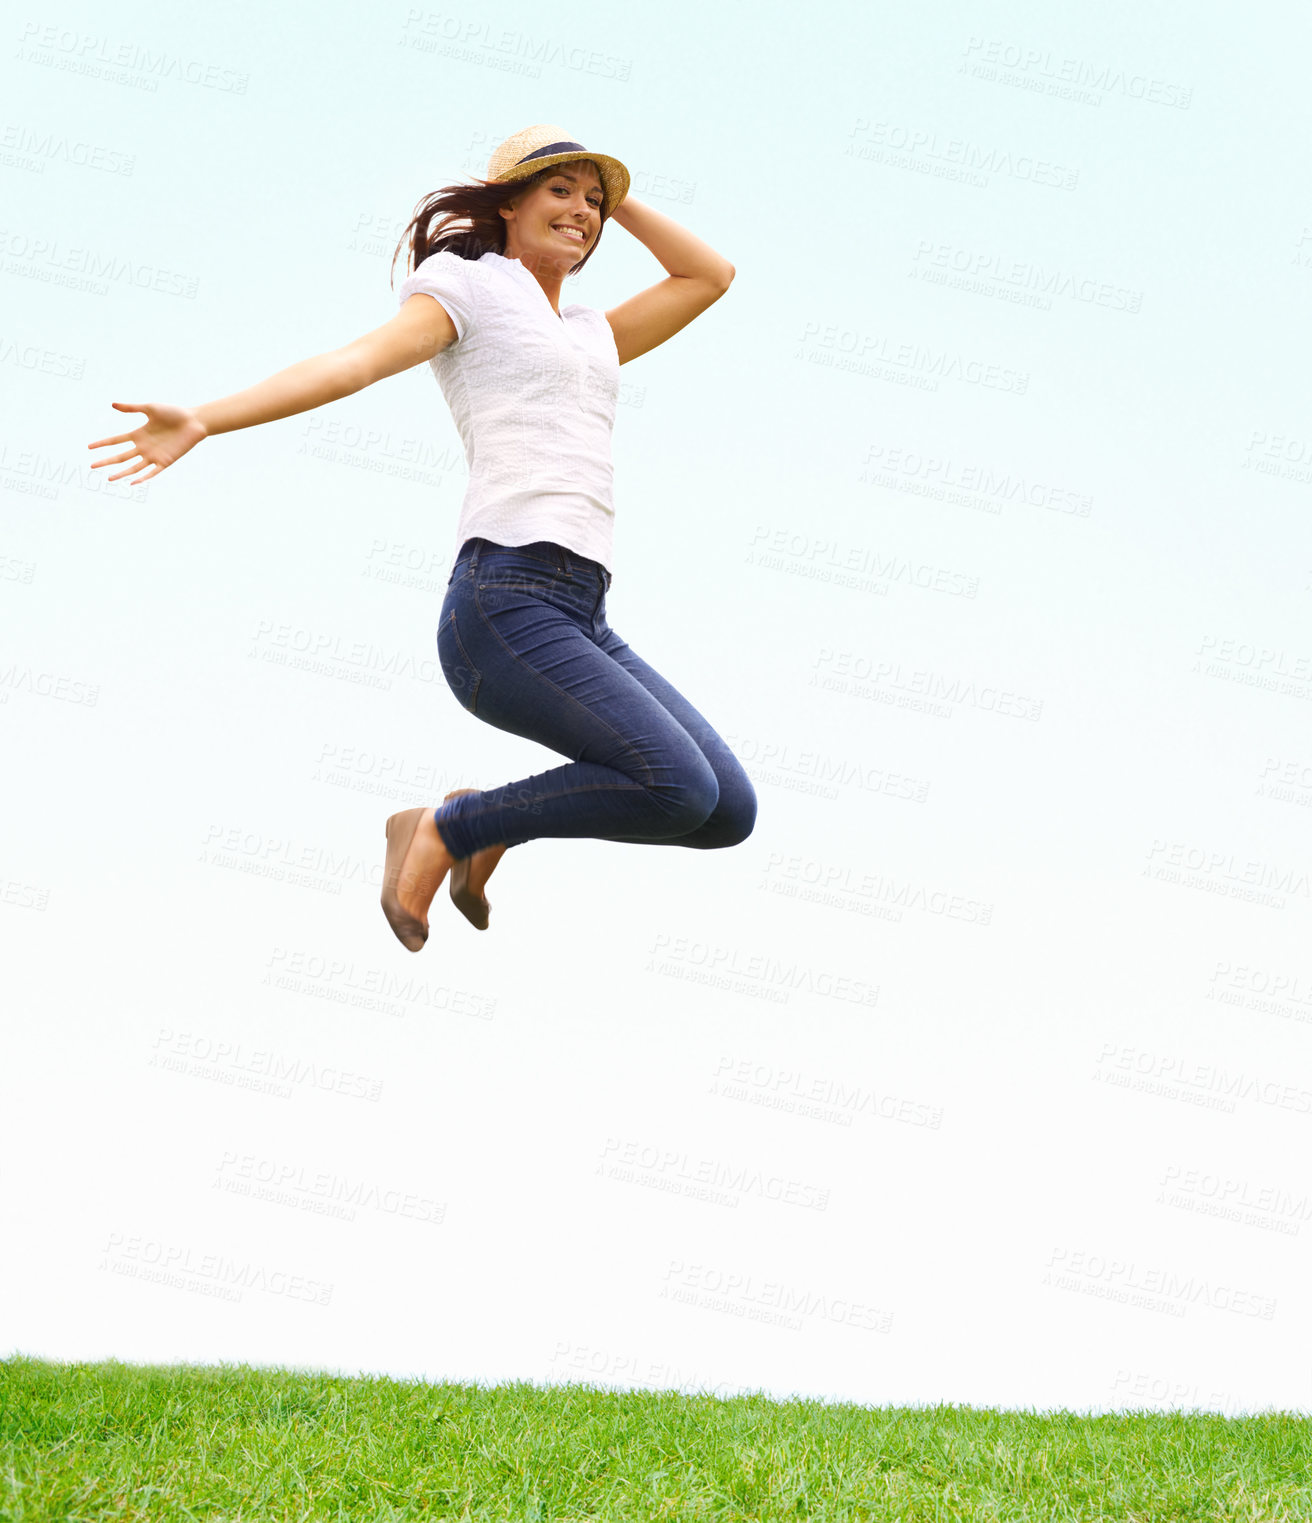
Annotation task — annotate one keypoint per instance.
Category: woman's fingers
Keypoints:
(115, 459)
(135, 466)
(119, 438)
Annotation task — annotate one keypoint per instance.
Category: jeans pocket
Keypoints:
(462, 676)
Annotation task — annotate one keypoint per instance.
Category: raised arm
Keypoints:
(419, 330)
(698, 277)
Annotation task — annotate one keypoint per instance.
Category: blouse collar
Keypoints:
(516, 266)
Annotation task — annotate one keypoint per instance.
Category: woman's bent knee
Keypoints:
(689, 802)
(733, 821)
(729, 823)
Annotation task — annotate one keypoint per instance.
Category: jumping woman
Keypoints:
(523, 639)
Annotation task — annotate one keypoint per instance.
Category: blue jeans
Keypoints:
(524, 645)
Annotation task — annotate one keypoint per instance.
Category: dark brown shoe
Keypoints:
(471, 906)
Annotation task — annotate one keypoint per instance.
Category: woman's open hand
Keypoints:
(166, 436)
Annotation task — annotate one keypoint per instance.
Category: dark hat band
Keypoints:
(539, 153)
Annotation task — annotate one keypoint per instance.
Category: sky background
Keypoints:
(974, 516)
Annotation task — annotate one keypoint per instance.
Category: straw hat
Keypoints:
(538, 147)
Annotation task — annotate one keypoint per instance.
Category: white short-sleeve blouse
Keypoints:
(533, 395)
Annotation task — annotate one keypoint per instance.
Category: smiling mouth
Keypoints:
(577, 236)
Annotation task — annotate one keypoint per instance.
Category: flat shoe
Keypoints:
(474, 909)
(471, 906)
(411, 933)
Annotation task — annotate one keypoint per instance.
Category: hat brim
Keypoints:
(614, 176)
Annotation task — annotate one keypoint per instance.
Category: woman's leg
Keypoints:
(734, 815)
(728, 824)
(520, 646)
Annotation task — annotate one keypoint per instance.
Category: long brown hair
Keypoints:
(464, 220)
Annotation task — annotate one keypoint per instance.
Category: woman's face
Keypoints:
(558, 220)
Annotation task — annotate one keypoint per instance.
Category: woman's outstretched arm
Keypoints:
(419, 330)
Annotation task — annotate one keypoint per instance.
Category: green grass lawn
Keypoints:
(82, 1441)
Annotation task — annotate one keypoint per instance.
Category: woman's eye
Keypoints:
(595, 205)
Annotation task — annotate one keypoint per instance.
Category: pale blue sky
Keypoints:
(1017, 345)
